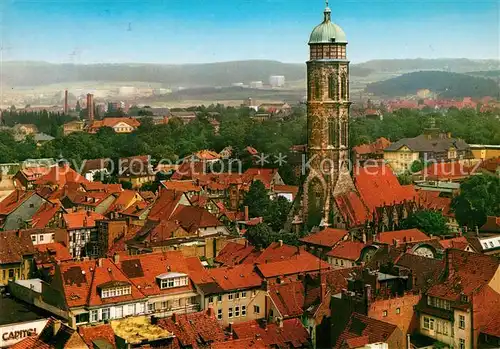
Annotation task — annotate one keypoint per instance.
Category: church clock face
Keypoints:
(424, 251)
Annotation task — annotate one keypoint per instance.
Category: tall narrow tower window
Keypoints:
(332, 87)
(317, 89)
(343, 87)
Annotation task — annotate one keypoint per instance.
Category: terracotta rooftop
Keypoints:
(492, 225)
(143, 270)
(362, 330)
(425, 271)
(247, 343)
(123, 201)
(401, 236)
(81, 219)
(181, 186)
(192, 218)
(14, 246)
(81, 282)
(275, 252)
(102, 332)
(165, 205)
(234, 253)
(223, 279)
(291, 334)
(459, 243)
(350, 250)
(14, 200)
(328, 237)
(288, 298)
(112, 122)
(45, 214)
(298, 264)
(60, 175)
(195, 330)
(48, 254)
(465, 274)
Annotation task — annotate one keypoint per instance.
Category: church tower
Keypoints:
(327, 122)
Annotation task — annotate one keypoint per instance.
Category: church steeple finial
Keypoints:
(327, 12)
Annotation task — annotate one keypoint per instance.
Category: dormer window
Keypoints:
(115, 289)
(172, 279)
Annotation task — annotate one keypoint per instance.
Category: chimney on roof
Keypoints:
(322, 290)
(281, 243)
(18, 233)
(175, 318)
(66, 102)
(246, 213)
(90, 107)
(56, 326)
(211, 312)
(116, 258)
(99, 262)
(264, 324)
(231, 329)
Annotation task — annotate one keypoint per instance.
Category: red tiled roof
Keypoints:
(492, 225)
(192, 218)
(488, 312)
(459, 243)
(33, 173)
(51, 253)
(102, 332)
(378, 186)
(373, 148)
(165, 205)
(298, 264)
(14, 200)
(80, 281)
(364, 326)
(143, 270)
(241, 276)
(14, 245)
(291, 334)
(111, 122)
(275, 252)
(45, 214)
(189, 170)
(60, 175)
(265, 175)
(181, 186)
(123, 201)
(194, 330)
(409, 235)
(251, 150)
(466, 273)
(350, 250)
(119, 246)
(233, 254)
(336, 279)
(288, 298)
(327, 237)
(357, 342)
(206, 155)
(247, 343)
(352, 208)
(447, 171)
(432, 201)
(81, 219)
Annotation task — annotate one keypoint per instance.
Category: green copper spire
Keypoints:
(327, 32)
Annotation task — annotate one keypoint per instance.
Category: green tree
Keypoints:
(405, 178)
(277, 213)
(430, 222)
(479, 197)
(126, 185)
(417, 166)
(261, 235)
(257, 200)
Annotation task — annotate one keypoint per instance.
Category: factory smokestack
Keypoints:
(90, 107)
(66, 102)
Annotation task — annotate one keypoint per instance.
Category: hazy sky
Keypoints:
(192, 31)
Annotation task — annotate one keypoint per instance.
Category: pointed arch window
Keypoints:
(332, 87)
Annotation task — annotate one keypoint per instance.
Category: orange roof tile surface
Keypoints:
(14, 200)
(81, 219)
(194, 330)
(298, 264)
(253, 343)
(45, 214)
(350, 250)
(408, 235)
(466, 273)
(328, 237)
(60, 175)
(459, 243)
(291, 334)
(103, 332)
(14, 245)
